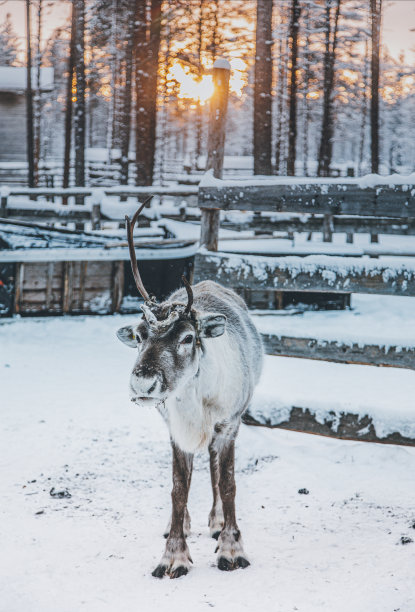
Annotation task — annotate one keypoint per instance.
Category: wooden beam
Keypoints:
(315, 223)
(118, 285)
(312, 273)
(67, 287)
(325, 350)
(82, 277)
(320, 197)
(343, 425)
(49, 284)
(18, 287)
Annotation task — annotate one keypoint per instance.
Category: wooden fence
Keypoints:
(72, 207)
(324, 273)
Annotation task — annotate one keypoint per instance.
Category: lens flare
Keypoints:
(200, 89)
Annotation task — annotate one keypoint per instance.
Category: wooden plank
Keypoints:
(310, 348)
(320, 198)
(81, 296)
(99, 269)
(37, 276)
(209, 231)
(312, 273)
(118, 285)
(136, 191)
(350, 426)
(19, 286)
(48, 299)
(314, 223)
(67, 287)
(49, 215)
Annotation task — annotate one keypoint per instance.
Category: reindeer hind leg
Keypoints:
(231, 554)
(216, 514)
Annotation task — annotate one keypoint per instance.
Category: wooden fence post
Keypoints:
(96, 216)
(4, 194)
(216, 147)
(96, 200)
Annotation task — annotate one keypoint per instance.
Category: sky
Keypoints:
(398, 21)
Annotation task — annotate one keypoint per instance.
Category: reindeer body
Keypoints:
(198, 364)
(228, 371)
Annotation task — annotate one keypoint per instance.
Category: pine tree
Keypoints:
(327, 128)
(29, 97)
(281, 46)
(292, 133)
(125, 123)
(375, 13)
(262, 89)
(9, 43)
(146, 75)
(79, 115)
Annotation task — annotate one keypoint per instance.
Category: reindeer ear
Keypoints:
(211, 324)
(128, 336)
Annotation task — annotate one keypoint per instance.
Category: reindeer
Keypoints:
(199, 359)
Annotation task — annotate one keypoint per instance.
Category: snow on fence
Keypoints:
(89, 204)
(373, 197)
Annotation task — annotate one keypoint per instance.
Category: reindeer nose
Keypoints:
(144, 385)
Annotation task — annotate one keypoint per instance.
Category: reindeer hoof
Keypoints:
(179, 571)
(216, 535)
(224, 564)
(160, 571)
(242, 562)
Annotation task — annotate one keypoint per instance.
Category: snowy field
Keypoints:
(67, 425)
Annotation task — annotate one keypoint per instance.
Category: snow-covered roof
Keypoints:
(13, 79)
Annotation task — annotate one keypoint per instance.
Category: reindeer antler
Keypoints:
(189, 294)
(134, 266)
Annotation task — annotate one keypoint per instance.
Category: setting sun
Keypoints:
(191, 87)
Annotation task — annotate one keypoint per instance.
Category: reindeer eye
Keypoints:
(187, 339)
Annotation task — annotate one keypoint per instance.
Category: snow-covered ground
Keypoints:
(67, 424)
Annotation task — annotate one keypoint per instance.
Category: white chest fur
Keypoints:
(212, 397)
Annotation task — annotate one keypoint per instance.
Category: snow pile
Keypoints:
(382, 320)
(386, 395)
(331, 267)
(364, 182)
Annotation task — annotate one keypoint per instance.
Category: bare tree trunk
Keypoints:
(126, 108)
(154, 50)
(79, 118)
(165, 134)
(146, 88)
(292, 133)
(215, 41)
(37, 101)
(306, 88)
(326, 142)
(363, 111)
(29, 100)
(280, 107)
(68, 110)
(376, 14)
(262, 89)
(199, 68)
(113, 69)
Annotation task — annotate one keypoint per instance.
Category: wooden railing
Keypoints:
(383, 202)
(72, 205)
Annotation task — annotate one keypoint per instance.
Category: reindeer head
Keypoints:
(168, 338)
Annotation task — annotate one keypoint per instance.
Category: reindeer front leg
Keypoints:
(231, 554)
(176, 559)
